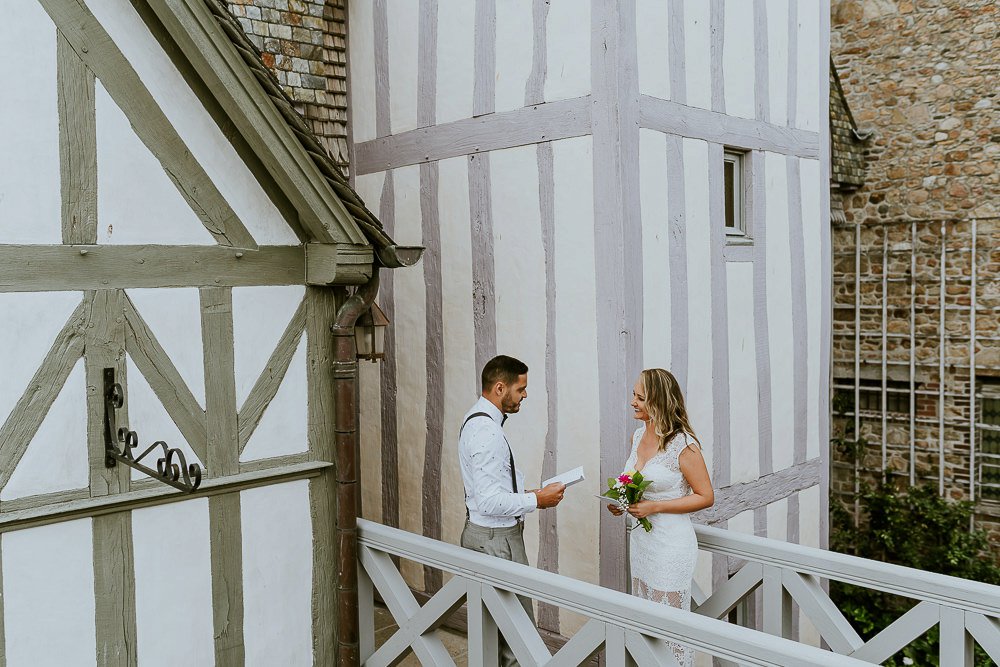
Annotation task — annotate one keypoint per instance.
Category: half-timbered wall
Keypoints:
(562, 162)
(133, 236)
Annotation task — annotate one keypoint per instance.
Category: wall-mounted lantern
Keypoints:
(369, 334)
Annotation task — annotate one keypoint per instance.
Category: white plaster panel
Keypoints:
(260, 316)
(361, 63)
(777, 60)
(56, 458)
(403, 17)
(809, 535)
(30, 323)
(455, 59)
(193, 123)
(808, 115)
(513, 52)
(738, 58)
(461, 377)
(283, 428)
(174, 317)
(519, 260)
(698, 53)
(173, 539)
(699, 284)
(150, 420)
(741, 523)
(656, 333)
(779, 311)
(136, 200)
(777, 520)
(370, 420)
(48, 595)
(816, 282)
(30, 200)
(370, 427)
(409, 325)
(568, 50)
(577, 384)
(743, 399)
(652, 29)
(277, 575)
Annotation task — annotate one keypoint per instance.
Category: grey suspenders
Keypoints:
(513, 477)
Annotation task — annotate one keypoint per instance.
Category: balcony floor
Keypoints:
(456, 644)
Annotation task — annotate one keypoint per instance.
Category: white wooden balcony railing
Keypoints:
(966, 611)
(631, 630)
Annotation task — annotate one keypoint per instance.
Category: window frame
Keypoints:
(741, 232)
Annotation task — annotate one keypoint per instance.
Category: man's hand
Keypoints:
(550, 495)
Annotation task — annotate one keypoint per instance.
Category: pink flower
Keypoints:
(624, 479)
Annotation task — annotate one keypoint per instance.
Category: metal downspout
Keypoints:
(347, 453)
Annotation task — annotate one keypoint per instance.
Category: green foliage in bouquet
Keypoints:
(627, 489)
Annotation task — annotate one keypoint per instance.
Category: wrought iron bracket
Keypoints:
(120, 443)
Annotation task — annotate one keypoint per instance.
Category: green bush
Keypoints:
(917, 528)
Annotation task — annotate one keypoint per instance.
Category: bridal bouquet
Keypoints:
(627, 489)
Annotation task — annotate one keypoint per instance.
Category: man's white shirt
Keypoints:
(484, 456)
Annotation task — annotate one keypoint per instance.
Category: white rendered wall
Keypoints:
(738, 58)
(260, 317)
(513, 52)
(136, 200)
(697, 53)
(777, 59)
(578, 407)
(815, 286)
(779, 310)
(361, 56)
(197, 129)
(743, 388)
(403, 19)
(48, 596)
(28, 328)
(455, 58)
(277, 586)
(411, 367)
(30, 200)
(173, 584)
(567, 57)
(56, 458)
(653, 48)
(656, 333)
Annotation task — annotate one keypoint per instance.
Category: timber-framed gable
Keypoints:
(202, 247)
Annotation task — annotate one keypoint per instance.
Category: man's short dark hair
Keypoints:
(502, 368)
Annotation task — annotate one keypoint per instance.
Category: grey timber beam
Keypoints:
(114, 564)
(159, 494)
(77, 145)
(224, 517)
(29, 411)
(44, 268)
(673, 118)
(42, 499)
(321, 313)
(737, 498)
(270, 379)
(216, 60)
(166, 382)
(96, 48)
(494, 131)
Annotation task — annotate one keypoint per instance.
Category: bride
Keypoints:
(665, 451)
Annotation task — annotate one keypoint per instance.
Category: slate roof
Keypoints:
(847, 151)
(385, 247)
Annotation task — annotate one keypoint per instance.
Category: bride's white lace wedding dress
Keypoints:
(663, 559)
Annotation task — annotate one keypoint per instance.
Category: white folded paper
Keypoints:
(569, 478)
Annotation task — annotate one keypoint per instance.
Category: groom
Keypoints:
(495, 499)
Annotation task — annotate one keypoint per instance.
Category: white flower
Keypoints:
(907, 661)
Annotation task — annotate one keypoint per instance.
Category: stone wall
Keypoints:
(920, 75)
(304, 42)
(923, 75)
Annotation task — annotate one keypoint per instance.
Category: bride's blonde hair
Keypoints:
(665, 405)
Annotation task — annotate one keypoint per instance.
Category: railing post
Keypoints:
(484, 645)
(366, 615)
(777, 604)
(956, 642)
(614, 647)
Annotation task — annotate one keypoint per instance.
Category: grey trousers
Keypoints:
(506, 543)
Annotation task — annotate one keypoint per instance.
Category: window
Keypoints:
(897, 396)
(733, 176)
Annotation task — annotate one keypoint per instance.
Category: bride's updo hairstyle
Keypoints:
(665, 404)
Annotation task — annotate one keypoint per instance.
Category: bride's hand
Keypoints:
(642, 509)
(615, 509)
